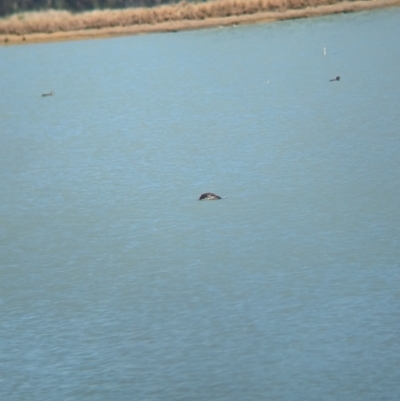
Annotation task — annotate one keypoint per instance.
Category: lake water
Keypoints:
(117, 284)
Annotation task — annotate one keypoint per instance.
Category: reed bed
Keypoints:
(64, 21)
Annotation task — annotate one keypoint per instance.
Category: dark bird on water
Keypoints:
(48, 94)
(209, 196)
(335, 79)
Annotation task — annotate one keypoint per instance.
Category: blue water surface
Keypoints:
(117, 284)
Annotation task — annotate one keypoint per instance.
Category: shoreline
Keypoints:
(193, 24)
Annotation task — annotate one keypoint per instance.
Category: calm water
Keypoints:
(117, 284)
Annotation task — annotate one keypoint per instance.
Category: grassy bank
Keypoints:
(63, 25)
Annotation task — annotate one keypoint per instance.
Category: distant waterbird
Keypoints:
(47, 94)
(335, 79)
(209, 196)
(324, 51)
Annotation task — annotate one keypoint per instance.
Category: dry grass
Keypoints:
(64, 21)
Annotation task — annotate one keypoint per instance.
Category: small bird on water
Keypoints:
(209, 196)
(335, 79)
(48, 94)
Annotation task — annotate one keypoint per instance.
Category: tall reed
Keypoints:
(54, 21)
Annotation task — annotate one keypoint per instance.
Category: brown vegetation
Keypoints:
(52, 21)
(183, 12)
